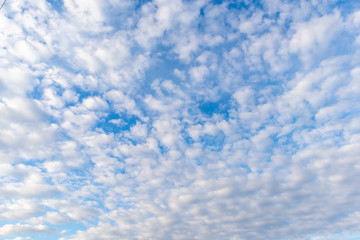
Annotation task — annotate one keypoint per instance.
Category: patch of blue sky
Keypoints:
(38, 236)
(163, 149)
(121, 204)
(117, 122)
(248, 169)
(220, 107)
(65, 232)
(213, 142)
(353, 237)
(286, 142)
(37, 91)
(78, 177)
(342, 46)
(242, 5)
(58, 5)
(188, 139)
(140, 3)
(68, 229)
(339, 236)
(121, 19)
(62, 63)
(345, 6)
(162, 67)
(294, 66)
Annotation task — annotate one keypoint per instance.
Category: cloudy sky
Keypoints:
(180, 119)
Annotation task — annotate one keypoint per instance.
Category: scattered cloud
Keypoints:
(179, 120)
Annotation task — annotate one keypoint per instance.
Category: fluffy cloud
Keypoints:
(179, 120)
(21, 229)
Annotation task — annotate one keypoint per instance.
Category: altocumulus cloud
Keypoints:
(180, 120)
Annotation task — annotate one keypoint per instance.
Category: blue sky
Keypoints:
(180, 120)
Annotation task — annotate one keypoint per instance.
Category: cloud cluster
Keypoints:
(179, 119)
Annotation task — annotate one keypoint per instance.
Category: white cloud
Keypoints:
(315, 36)
(20, 210)
(251, 25)
(32, 186)
(69, 209)
(87, 14)
(187, 45)
(121, 102)
(17, 80)
(179, 120)
(23, 229)
(199, 73)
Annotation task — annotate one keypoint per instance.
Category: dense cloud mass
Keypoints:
(180, 120)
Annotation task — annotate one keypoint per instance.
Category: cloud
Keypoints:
(32, 186)
(198, 73)
(179, 120)
(88, 14)
(315, 35)
(21, 209)
(23, 229)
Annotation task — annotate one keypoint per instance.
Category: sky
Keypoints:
(180, 119)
